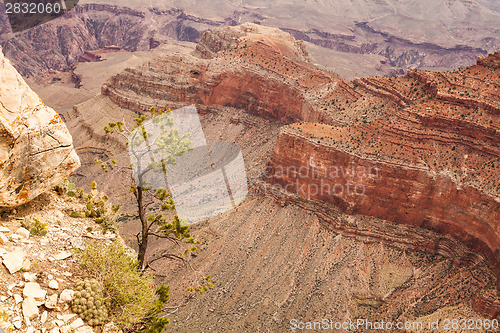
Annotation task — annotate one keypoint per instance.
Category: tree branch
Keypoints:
(170, 238)
(164, 256)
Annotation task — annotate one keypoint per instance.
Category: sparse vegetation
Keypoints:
(118, 291)
(152, 204)
(66, 187)
(34, 226)
(99, 208)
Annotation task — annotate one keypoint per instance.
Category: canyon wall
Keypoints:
(241, 89)
(432, 161)
(420, 151)
(243, 70)
(392, 191)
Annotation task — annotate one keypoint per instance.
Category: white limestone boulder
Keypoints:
(36, 148)
(14, 260)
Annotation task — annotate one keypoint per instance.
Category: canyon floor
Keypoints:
(275, 257)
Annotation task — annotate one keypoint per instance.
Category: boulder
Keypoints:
(18, 323)
(23, 232)
(51, 301)
(84, 329)
(36, 149)
(30, 309)
(77, 323)
(32, 289)
(14, 260)
(74, 327)
(62, 255)
(66, 295)
(29, 277)
(53, 284)
(3, 239)
(18, 298)
(43, 318)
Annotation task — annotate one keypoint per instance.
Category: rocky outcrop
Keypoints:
(492, 61)
(99, 55)
(389, 190)
(36, 148)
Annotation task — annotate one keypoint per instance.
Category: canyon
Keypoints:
(421, 241)
(354, 38)
(421, 151)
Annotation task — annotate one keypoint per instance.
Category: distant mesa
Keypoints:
(36, 148)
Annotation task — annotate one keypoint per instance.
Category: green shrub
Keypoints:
(99, 208)
(131, 297)
(68, 188)
(35, 227)
(77, 214)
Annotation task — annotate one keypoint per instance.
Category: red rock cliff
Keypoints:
(397, 192)
(432, 161)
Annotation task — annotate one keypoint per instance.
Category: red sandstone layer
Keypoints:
(433, 161)
(409, 194)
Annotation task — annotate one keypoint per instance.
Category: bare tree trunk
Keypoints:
(143, 241)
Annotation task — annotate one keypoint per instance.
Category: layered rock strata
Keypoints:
(439, 42)
(432, 162)
(420, 150)
(260, 69)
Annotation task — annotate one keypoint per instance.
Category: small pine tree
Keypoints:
(152, 204)
(169, 145)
